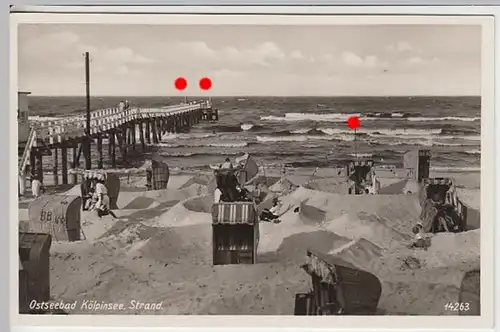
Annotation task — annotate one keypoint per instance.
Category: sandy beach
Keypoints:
(159, 250)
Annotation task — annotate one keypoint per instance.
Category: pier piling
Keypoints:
(112, 143)
(39, 159)
(141, 135)
(64, 164)
(134, 128)
(100, 160)
(148, 134)
(153, 132)
(54, 166)
(74, 163)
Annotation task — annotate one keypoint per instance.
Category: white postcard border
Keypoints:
(487, 185)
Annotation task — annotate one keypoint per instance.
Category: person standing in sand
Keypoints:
(36, 179)
(22, 180)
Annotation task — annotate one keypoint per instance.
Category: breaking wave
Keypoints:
(304, 138)
(200, 145)
(342, 117)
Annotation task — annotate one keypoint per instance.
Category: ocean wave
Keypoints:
(456, 169)
(246, 126)
(422, 142)
(361, 155)
(303, 138)
(410, 133)
(330, 117)
(384, 132)
(472, 138)
(445, 118)
(189, 136)
(474, 152)
(201, 145)
(342, 117)
(198, 154)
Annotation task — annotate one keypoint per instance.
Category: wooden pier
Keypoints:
(119, 125)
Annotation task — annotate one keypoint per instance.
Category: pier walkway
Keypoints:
(120, 126)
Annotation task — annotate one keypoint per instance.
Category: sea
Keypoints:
(310, 132)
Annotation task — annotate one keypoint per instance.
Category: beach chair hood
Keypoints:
(234, 213)
(358, 291)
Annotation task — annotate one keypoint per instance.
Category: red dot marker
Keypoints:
(180, 83)
(205, 83)
(353, 122)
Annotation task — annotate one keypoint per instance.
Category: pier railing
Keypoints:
(57, 131)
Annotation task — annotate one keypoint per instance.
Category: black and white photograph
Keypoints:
(240, 169)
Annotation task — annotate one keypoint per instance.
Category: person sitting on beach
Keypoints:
(244, 194)
(272, 213)
(227, 164)
(91, 201)
(421, 241)
(102, 204)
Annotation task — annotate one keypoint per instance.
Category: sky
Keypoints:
(145, 60)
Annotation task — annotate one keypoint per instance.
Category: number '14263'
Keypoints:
(457, 306)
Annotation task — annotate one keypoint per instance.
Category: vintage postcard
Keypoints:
(231, 166)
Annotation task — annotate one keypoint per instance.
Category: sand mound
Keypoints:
(294, 247)
(192, 211)
(470, 197)
(202, 179)
(139, 203)
(160, 196)
(393, 188)
(267, 181)
(75, 191)
(311, 215)
(369, 227)
(337, 185)
(392, 207)
(450, 248)
(282, 185)
(175, 245)
(199, 204)
(360, 253)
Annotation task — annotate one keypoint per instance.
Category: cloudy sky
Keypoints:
(251, 60)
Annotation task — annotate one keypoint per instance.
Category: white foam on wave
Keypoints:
(303, 138)
(361, 155)
(386, 132)
(419, 141)
(475, 151)
(301, 131)
(445, 118)
(331, 117)
(456, 169)
(201, 145)
(342, 117)
(246, 126)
